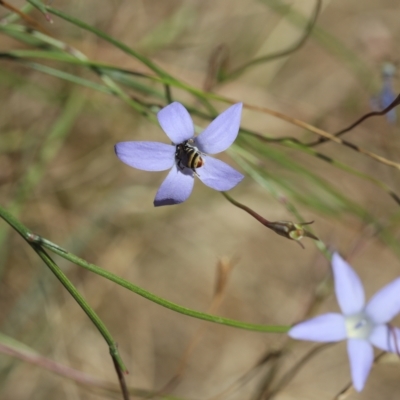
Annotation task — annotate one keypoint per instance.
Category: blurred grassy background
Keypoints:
(60, 176)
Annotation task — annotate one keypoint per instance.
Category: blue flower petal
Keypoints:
(385, 304)
(147, 156)
(386, 339)
(222, 132)
(348, 287)
(361, 357)
(176, 122)
(324, 328)
(176, 187)
(218, 175)
(387, 96)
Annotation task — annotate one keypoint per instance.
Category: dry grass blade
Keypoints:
(55, 367)
(29, 20)
(322, 133)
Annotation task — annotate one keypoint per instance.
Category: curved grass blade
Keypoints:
(328, 42)
(273, 56)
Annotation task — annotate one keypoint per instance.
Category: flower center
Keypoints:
(358, 326)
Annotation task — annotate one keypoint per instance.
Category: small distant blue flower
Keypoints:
(187, 156)
(362, 325)
(387, 94)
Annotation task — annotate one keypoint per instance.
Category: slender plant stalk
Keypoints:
(392, 105)
(83, 304)
(31, 238)
(118, 363)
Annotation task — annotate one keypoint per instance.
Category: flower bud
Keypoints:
(290, 230)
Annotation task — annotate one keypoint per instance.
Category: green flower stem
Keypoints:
(242, 158)
(37, 246)
(84, 305)
(162, 302)
(38, 241)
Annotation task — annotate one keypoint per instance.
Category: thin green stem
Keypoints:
(286, 229)
(162, 302)
(37, 246)
(168, 94)
(258, 217)
(37, 240)
(83, 304)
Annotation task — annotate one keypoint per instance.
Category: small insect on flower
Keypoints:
(188, 155)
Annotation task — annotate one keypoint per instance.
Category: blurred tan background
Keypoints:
(87, 201)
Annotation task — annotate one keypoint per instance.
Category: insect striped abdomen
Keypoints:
(194, 159)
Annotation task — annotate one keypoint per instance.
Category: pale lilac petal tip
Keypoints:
(222, 132)
(386, 338)
(176, 188)
(348, 287)
(147, 156)
(176, 122)
(218, 175)
(385, 304)
(324, 328)
(361, 357)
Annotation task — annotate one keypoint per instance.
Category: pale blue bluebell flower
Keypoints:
(362, 325)
(187, 156)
